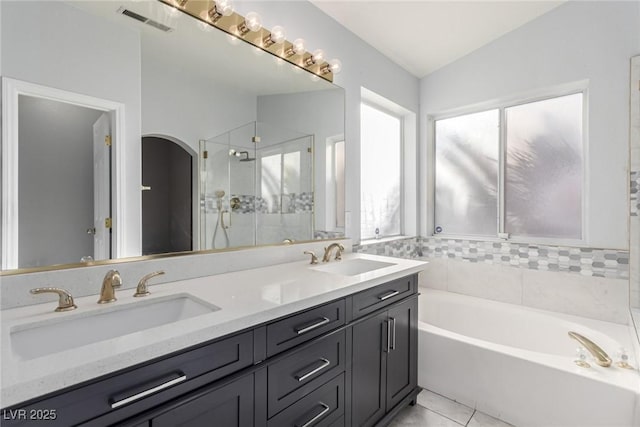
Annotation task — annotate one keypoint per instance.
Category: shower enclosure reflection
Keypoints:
(256, 187)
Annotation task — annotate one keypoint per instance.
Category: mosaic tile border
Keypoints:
(634, 193)
(595, 262)
(323, 234)
(291, 203)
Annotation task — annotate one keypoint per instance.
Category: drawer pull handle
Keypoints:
(147, 392)
(317, 417)
(388, 323)
(324, 364)
(393, 340)
(389, 295)
(309, 328)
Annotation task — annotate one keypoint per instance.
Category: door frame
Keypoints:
(11, 90)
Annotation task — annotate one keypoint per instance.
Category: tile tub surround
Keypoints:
(471, 268)
(14, 289)
(610, 263)
(245, 298)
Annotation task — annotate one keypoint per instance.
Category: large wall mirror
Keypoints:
(132, 129)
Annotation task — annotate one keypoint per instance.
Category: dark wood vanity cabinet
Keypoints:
(349, 362)
(384, 369)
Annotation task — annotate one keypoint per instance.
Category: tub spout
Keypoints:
(602, 358)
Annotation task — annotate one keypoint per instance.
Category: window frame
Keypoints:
(401, 119)
(501, 105)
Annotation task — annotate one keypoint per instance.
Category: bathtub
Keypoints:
(516, 363)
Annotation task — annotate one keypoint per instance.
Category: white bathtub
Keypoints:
(516, 363)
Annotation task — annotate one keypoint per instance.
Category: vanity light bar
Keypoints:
(219, 14)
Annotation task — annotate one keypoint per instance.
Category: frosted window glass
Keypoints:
(467, 150)
(543, 185)
(380, 199)
(291, 173)
(340, 184)
(271, 181)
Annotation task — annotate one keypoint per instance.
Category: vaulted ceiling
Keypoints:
(424, 35)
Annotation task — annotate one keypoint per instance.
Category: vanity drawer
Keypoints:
(380, 296)
(139, 388)
(294, 330)
(320, 408)
(296, 375)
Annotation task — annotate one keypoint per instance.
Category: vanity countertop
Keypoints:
(246, 298)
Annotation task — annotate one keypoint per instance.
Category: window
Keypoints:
(515, 169)
(335, 181)
(381, 172)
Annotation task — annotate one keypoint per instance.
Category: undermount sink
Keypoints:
(43, 338)
(352, 267)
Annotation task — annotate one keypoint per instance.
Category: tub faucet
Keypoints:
(602, 358)
(327, 252)
(111, 281)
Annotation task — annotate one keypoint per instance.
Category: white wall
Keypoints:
(576, 41)
(40, 44)
(188, 108)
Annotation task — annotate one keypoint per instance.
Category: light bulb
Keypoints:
(220, 8)
(318, 55)
(335, 65)
(253, 21)
(298, 46)
(277, 34)
(314, 58)
(224, 7)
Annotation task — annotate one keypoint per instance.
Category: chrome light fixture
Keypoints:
(220, 14)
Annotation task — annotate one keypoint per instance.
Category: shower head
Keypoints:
(246, 157)
(219, 194)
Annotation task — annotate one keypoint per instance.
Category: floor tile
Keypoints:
(480, 419)
(444, 406)
(417, 416)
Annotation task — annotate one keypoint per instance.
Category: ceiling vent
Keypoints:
(133, 15)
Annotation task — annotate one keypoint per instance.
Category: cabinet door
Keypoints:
(230, 405)
(403, 351)
(368, 370)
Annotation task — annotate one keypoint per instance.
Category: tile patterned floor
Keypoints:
(434, 410)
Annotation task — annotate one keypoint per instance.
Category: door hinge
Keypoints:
(309, 150)
(107, 140)
(107, 222)
(205, 154)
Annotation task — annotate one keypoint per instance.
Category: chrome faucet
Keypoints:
(142, 289)
(111, 281)
(327, 252)
(601, 357)
(65, 300)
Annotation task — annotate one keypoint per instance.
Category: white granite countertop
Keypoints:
(245, 298)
